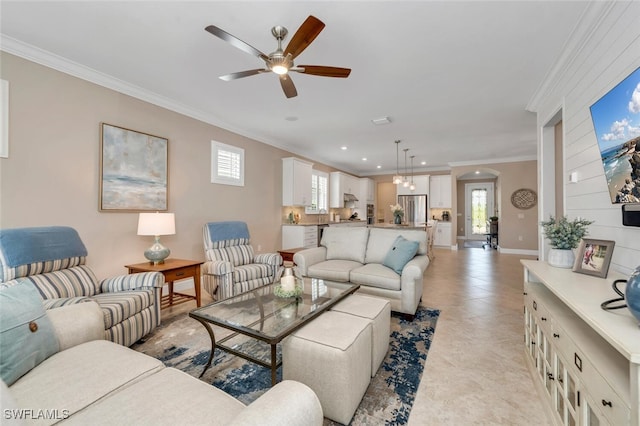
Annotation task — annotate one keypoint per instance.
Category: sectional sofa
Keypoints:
(61, 370)
(385, 262)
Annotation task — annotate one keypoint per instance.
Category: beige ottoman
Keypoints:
(378, 312)
(331, 355)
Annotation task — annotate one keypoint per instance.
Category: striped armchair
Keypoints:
(231, 267)
(53, 259)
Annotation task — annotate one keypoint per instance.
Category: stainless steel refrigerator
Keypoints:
(415, 209)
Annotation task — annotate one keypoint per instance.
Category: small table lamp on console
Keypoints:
(156, 224)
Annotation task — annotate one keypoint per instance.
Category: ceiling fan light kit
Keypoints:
(281, 62)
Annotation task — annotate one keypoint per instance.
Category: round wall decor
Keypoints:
(524, 198)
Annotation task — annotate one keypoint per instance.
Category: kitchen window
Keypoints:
(319, 193)
(227, 164)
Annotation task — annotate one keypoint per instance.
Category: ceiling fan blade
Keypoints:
(307, 32)
(287, 86)
(323, 71)
(242, 74)
(235, 41)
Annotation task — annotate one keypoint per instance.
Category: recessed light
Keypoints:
(364, 158)
(423, 163)
(477, 172)
(378, 166)
(344, 148)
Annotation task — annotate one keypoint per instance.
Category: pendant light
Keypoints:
(405, 181)
(412, 187)
(397, 179)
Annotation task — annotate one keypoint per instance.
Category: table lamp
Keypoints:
(156, 224)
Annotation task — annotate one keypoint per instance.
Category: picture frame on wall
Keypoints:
(134, 170)
(594, 257)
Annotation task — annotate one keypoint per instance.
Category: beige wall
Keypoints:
(51, 175)
(511, 176)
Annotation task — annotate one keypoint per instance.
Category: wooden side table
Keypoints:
(173, 269)
(287, 254)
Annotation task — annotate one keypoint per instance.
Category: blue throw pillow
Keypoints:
(26, 333)
(400, 253)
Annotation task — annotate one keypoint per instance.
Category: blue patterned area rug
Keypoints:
(183, 343)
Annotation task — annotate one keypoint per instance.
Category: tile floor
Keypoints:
(475, 372)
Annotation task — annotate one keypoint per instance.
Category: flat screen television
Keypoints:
(616, 121)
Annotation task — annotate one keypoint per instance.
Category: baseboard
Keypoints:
(518, 251)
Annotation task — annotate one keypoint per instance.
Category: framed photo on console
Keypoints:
(594, 257)
(134, 170)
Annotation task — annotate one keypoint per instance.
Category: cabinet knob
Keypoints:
(525, 293)
(550, 376)
(543, 318)
(606, 403)
(556, 335)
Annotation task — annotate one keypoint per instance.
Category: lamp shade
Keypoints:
(156, 224)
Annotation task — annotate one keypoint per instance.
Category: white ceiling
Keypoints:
(454, 77)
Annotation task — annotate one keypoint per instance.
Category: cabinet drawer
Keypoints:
(566, 347)
(542, 315)
(180, 274)
(612, 406)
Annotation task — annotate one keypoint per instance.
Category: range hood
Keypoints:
(349, 198)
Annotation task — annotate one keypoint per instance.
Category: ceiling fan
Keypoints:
(281, 62)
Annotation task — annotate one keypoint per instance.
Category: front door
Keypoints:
(478, 209)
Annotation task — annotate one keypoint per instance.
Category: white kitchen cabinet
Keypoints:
(440, 191)
(422, 186)
(340, 184)
(294, 236)
(296, 182)
(585, 361)
(442, 236)
(367, 191)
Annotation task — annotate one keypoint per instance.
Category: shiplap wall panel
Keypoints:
(609, 54)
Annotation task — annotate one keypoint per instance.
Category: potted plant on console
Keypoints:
(564, 236)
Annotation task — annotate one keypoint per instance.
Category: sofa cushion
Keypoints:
(168, 397)
(376, 275)
(401, 252)
(73, 379)
(381, 240)
(345, 243)
(26, 333)
(333, 270)
(122, 305)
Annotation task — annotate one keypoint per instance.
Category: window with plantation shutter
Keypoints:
(319, 193)
(227, 164)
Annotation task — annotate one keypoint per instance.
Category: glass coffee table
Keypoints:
(259, 319)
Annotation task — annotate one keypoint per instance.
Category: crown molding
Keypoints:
(494, 161)
(590, 21)
(64, 65)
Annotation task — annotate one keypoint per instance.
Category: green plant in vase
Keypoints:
(564, 236)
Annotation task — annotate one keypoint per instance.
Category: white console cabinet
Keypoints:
(585, 360)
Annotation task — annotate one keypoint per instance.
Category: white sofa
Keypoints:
(94, 381)
(357, 255)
